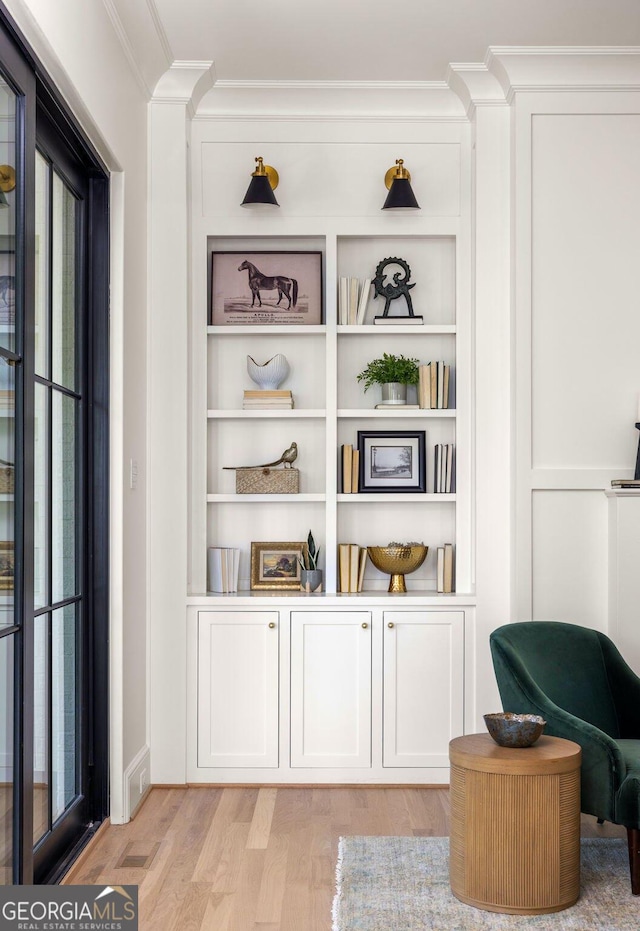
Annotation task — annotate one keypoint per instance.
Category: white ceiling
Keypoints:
(371, 40)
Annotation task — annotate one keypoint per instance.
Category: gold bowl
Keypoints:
(398, 561)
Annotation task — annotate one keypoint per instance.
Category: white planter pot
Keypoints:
(394, 392)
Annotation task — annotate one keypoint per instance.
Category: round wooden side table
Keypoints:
(515, 824)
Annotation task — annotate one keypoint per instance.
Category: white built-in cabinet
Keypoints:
(423, 674)
(238, 688)
(329, 688)
(334, 693)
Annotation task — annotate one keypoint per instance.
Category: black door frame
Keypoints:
(46, 116)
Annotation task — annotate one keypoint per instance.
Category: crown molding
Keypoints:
(324, 118)
(160, 32)
(126, 46)
(185, 82)
(331, 85)
(475, 85)
(588, 69)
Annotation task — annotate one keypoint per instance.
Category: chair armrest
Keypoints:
(625, 690)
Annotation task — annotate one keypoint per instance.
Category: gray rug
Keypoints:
(402, 884)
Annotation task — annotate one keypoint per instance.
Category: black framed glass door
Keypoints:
(54, 465)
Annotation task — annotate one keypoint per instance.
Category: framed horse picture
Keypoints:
(271, 288)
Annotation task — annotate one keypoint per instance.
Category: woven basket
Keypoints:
(267, 481)
(6, 480)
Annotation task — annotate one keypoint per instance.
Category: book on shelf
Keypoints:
(363, 300)
(401, 321)
(434, 379)
(424, 386)
(224, 564)
(267, 400)
(443, 468)
(353, 299)
(448, 583)
(440, 570)
(355, 471)
(351, 565)
(347, 468)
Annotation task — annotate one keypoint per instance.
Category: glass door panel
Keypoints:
(41, 727)
(6, 760)
(63, 709)
(63, 496)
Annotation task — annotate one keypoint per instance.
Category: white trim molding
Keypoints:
(136, 781)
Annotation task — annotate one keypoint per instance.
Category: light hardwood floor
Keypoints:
(253, 859)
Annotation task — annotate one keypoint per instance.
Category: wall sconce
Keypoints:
(7, 183)
(260, 191)
(398, 182)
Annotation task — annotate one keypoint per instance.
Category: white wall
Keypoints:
(578, 331)
(77, 44)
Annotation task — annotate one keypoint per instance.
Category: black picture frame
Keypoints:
(392, 461)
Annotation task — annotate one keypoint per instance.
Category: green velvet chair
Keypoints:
(578, 681)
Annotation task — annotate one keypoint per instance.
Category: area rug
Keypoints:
(402, 884)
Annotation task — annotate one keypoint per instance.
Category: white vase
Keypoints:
(271, 374)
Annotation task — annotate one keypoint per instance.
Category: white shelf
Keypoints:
(265, 329)
(284, 414)
(264, 499)
(427, 329)
(395, 412)
(400, 497)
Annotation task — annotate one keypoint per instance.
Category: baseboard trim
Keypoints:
(136, 781)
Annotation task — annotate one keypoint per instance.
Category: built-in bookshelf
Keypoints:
(331, 407)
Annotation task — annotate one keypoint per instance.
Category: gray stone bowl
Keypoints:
(514, 730)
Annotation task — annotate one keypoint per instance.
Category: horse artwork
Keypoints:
(286, 287)
(281, 288)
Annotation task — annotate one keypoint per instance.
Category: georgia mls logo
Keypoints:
(68, 908)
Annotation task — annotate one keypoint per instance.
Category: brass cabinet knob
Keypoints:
(390, 624)
(365, 625)
(271, 625)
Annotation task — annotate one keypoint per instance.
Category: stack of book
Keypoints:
(445, 581)
(224, 562)
(443, 462)
(353, 297)
(433, 385)
(351, 562)
(349, 468)
(267, 400)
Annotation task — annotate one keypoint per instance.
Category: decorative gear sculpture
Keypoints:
(399, 287)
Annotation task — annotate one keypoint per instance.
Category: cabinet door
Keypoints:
(423, 686)
(238, 688)
(331, 688)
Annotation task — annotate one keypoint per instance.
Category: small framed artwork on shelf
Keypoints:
(276, 566)
(392, 461)
(272, 288)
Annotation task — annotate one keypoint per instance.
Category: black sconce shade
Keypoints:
(260, 191)
(400, 196)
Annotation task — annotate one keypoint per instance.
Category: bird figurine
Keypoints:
(288, 457)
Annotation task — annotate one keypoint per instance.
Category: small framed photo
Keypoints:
(7, 565)
(392, 460)
(276, 565)
(272, 288)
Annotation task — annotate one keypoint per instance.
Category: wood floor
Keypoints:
(253, 859)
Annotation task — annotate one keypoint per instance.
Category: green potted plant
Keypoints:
(310, 575)
(394, 373)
